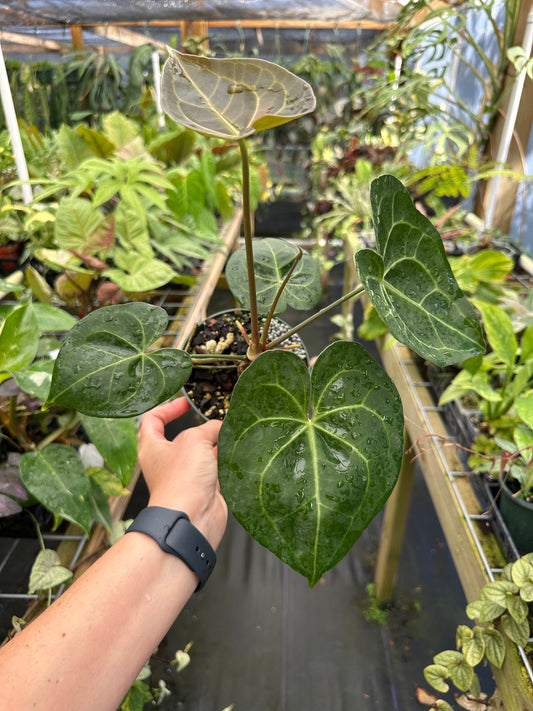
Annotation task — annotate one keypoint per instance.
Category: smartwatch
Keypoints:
(175, 534)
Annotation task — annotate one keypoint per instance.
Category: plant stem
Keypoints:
(70, 425)
(355, 293)
(254, 348)
(202, 358)
(278, 295)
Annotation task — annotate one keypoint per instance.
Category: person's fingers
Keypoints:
(209, 430)
(153, 422)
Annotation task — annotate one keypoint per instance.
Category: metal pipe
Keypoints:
(156, 69)
(14, 133)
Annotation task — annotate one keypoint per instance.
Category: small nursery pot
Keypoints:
(209, 387)
(518, 517)
(9, 257)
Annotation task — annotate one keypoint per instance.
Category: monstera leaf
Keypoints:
(273, 259)
(231, 98)
(307, 460)
(410, 282)
(105, 368)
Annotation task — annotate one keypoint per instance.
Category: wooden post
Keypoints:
(194, 28)
(76, 33)
(392, 532)
(508, 187)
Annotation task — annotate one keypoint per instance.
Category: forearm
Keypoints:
(86, 650)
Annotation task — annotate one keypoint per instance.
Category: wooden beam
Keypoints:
(33, 41)
(124, 36)
(303, 24)
(393, 529)
(76, 32)
(508, 187)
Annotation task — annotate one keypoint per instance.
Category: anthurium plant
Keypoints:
(306, 457)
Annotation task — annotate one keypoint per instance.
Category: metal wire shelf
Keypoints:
(488, 516)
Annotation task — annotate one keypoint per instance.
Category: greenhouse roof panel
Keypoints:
(36, 12)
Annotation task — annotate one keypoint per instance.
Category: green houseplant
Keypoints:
(502, 617)
(39, 460)
(306, 459)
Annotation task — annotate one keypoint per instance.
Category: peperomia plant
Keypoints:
(306, 458)
(502, 617)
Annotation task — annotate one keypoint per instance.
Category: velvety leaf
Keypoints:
(459, 671)
(116, 440)
(105, 367)
(231, 98)
(410, 282)
(273, 259)
(474, 648)
(518, 609)
(47, 572)
(498, 590)
(517, 632)
(56, 477)
(494, 646)
(306, 461)
(442, 705)
(522, 572)
(435, 674)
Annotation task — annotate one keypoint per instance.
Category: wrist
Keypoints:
(209, 518)
(174, 533)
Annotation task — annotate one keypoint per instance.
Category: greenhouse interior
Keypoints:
(269, 262)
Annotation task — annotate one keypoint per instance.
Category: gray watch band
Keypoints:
(175, 534)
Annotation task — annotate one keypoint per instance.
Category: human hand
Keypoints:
(182, 474)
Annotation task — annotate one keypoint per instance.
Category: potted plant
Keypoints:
(39, 458)
(502, 615)
(306, 458)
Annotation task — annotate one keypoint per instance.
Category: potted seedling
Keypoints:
(306, 458)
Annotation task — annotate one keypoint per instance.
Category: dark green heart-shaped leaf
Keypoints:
(231, 98)
(56, 477)
(410, 282)
(307, 460)
(105, 369)
(273, 259)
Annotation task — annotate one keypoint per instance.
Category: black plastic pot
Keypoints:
(518, 517)
(9, 257)
(209, 389)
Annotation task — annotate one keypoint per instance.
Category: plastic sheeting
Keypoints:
(35, 12)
